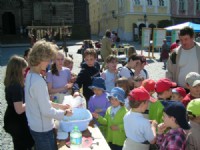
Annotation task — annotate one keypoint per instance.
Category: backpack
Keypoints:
(173, 57)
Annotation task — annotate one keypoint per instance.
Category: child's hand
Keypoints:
(161, 128)
(68, 86)
(95, 115)
(68, 112)
(64, 107)
(98, 110)
(153, 123)
(114, 127)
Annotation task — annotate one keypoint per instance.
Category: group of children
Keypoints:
(122, 101)
(121, 113)
(129, 115)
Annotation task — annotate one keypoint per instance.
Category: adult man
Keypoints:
(164, 53)
(185, 58)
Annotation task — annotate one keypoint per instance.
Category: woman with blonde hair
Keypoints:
(15, 121)
(40, 111)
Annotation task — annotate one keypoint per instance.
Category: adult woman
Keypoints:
(40, 111)
(15, 121)
(58, 78)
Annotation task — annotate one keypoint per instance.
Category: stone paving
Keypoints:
(154, 68)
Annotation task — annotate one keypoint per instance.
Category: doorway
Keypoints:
(8, 21)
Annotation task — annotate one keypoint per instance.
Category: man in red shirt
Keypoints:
(174, 45)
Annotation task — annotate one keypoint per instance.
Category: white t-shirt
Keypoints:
(126, 72)
(137, 128)
(188, 63)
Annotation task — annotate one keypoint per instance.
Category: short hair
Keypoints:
(133, 57)
(177, 41)
(14, 71)
(90, 51)
(110, 58)
(135, 103)
(186, 31)
(41, 51)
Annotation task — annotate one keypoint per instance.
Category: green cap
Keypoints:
(193, 107)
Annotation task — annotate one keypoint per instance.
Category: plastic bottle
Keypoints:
(75, 138)
(55, 99)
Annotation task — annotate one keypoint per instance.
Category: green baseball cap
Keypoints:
(193, 107)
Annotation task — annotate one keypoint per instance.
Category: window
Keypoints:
(137, 2)
(161, 3)
(197, 4)
(181, 5)
(149, 2)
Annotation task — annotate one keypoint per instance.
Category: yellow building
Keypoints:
(126, 17)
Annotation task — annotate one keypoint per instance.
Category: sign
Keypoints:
(146, 32)
(158, 36)
(174, 35)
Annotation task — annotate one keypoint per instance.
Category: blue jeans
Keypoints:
(44, 140)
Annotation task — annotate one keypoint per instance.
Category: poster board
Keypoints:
(158, 35)
(146, 32)
(174, 35)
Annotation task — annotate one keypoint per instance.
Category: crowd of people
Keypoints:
(130, 109)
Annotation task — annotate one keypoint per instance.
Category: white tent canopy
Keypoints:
(195, 26)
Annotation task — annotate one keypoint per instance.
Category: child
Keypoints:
(113, 119)
(140, 132)
(58, 78)
(127, 70)
(15, 120)
(98, 103)
(26, 55)
(68, 63)
(164, 92)
(192, 80)
(193, 140)
(110, 74)
(87, 73)
(149, 85)
(174, 117)
(40, 111)
(137, 81)
(139, 68)
(123, 83)
(178, 94)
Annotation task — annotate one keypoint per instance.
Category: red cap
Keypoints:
(139, 94)
(164, 85)
(149, 85)
(180, 91)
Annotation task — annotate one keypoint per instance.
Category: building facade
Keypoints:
(127, 17)
(16, 14)
(185, 11)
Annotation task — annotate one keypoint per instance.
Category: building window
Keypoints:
(149, 2)
(181, 5)
(137, 2)
(197, 4)
(161, 3)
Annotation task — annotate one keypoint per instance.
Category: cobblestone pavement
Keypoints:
(154, 68)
